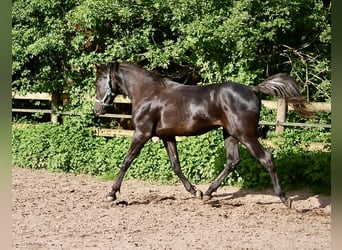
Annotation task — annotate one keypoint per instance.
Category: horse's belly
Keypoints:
(187, 128)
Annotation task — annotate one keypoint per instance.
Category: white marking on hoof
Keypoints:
(207, 197)
(155, 139)
(288, 203)
(199, 194)
(109, 198)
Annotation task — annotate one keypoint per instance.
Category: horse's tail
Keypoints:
(285, 86)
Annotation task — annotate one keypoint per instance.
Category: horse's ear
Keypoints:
(99, 67)
(114, 66)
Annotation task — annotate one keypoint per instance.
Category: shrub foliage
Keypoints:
(73, 148)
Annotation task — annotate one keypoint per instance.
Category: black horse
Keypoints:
(163, 108)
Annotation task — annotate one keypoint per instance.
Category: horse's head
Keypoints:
(106, 87)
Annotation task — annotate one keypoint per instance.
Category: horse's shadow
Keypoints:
(146, 201)
(232, 198)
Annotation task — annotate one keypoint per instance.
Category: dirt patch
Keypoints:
(64, 211)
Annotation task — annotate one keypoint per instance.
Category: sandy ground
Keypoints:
(64, 211)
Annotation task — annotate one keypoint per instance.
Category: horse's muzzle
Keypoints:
(99, 109)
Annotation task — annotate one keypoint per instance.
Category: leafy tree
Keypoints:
(57, 43)
(38, 38)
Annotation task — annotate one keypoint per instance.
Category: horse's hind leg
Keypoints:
(171, 148)
(266, 159)
(233, 159)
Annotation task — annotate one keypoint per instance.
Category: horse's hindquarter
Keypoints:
(242, 108)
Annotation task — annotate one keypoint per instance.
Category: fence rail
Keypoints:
(281, 106)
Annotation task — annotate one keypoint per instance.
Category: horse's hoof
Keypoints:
(207, 197)
(199, 194)
(288, 203)
(155, 139)
(110, 198)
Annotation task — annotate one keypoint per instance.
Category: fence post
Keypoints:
(281, 115)
(54, 106)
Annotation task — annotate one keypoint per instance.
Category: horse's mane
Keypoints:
(153, 75)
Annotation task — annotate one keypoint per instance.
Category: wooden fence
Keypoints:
(281, 106)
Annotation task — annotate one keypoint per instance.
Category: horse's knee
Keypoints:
(177, 171)
(233, 160)
(233, 157)
(267, 161)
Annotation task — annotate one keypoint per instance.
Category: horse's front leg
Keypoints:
(138, 141)
(171, 148)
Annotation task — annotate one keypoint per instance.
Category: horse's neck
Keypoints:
(139, 84)
(138, 87)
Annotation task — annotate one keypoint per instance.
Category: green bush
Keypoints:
(73, 148)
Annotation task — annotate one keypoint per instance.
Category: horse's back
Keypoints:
(236, 96)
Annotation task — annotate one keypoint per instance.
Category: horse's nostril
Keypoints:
(99, 110)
